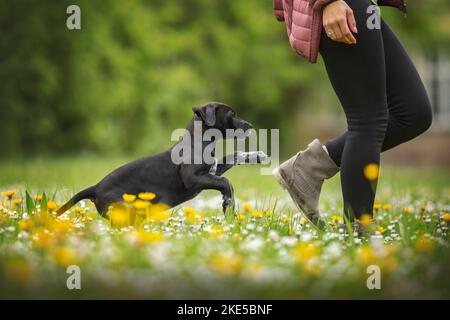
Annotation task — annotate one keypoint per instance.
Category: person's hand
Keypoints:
(339, 22)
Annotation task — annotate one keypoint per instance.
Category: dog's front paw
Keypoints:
(240, 157)
(227, 204)
(252, 157)
(260, 156)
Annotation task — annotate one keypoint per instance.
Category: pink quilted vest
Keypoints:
(303, 20)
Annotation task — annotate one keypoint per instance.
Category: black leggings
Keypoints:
(384, 101)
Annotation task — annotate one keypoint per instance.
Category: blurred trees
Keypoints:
(132, 73)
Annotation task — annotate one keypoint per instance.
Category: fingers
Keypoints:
(333, 31)
(328, 32)
(351, 20)
(339, 22)
(347, 36)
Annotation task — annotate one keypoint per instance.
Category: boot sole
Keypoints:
(276, 173)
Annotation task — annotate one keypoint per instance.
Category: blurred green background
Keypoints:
(122, 83)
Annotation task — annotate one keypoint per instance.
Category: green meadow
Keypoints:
(266, 250)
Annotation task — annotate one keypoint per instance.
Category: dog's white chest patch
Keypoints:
(213, 168)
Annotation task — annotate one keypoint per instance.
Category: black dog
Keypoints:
(176, 183)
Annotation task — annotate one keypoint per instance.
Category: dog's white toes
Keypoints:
(252, 157)
(262, 157)
(241, 157)
(257, 157)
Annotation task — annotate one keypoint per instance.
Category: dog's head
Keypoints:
(221, 116)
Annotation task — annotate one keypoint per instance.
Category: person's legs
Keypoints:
(408, 103)
(369, 77)
(357, 73)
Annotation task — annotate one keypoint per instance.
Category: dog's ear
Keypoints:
(207, 113)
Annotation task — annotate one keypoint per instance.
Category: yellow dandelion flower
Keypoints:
(79, 209)
(159, 207)
(26, 224)
(366, 255)
(88, 216)
(160, 217)
(446, 217)
(387, 206)
(144, 237)
(39, 197)
(62, 226)
(118, 216)
(140, 204)
(376, 206)
(215, 231)
(380, 229)
(257, 214)
(285, 218)
(366, 219)
(147, 196)
(242, 217)
(189, 210)
(42, 239)
(247, 207)
(51, 205)
(128, 197)
(407, 210)
(306, 251)
(43, 219)
(17, 202)
(371, 171)
(158, 212)
(192, 215)
(196, 218)
(65, 256)
(424, 244)
(336, 218)
(228, 265)
(268, 213)
(9, 194)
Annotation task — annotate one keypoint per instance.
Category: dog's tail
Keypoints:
(88, 193)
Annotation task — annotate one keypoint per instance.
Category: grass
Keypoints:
(193, 251)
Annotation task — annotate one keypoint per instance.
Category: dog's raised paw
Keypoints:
(261, 157)
(251, 157)
(256, 157)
